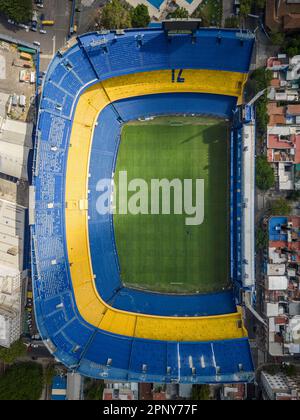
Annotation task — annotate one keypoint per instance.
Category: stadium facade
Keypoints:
(87, 318)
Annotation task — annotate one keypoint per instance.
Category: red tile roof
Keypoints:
(145, 391)
(282, 15)
(275, 143)
(276, 114)
(281, 320)
(293, 110)
(291, 21)
(159, 396)
(291, 246)
(270, 155)
(275, 83)
(295, 220)
(273, 108)
(277, 120)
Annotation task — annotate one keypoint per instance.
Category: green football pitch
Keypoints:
(160, 252)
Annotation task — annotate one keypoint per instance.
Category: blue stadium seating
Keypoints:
(80, 346)
(166, 305)
(236, 209)
(109, 53)
(78, 61)
(175, 103)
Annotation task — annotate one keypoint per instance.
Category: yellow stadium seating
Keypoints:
(200, 81)
(92, 308)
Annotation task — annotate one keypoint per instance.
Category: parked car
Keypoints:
(34, 26)
(39, 3)
(36, 337)
(23, 26)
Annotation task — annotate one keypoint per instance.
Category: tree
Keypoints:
(262, 238)
(49, 374)
(17, 10)
(93, 390)
(262, 78)
(210, 11)
(16, 350)
(292, 51)
(289, 370)
(22, 381)
(277, 38)
(115, 15)
(201, 392)
(294, 195)
(292, 45)
(179, 13)
(245, 7)
(272, 369)
(262, 115)
(232, 22)
(280, 207)
(260, 4)
(140, 17)
(265, 178)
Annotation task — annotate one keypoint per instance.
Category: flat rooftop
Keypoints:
(12, 227)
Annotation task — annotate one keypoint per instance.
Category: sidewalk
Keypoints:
(227, 10)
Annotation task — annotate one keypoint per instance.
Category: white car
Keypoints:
(36, 337)
(22, 25)
(37, 43)
(42, 31)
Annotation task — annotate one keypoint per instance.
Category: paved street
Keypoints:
(57, 10)
(227, 9)
(86, 18)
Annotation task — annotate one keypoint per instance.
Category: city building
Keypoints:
(121, 391)
(281, 291)
(159, 8)
(13, 278)
(15, 145)
(59, 388)
(283, 134)
(280, 387)
(16, 126)
(233, 392)
(283, 15)
(285, 80)
(74, 387)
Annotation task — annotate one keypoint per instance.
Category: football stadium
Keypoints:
(138, 296)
